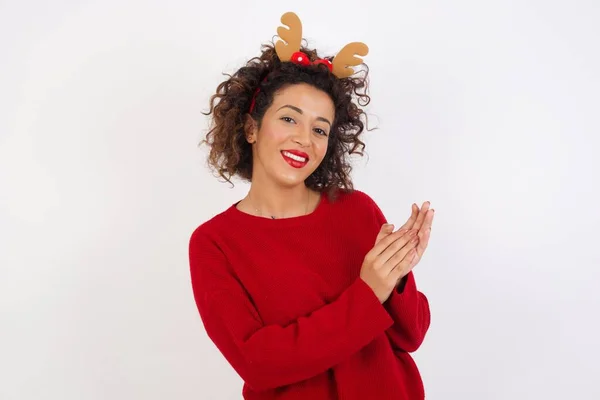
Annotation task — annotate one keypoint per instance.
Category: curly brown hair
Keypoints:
(230, 153)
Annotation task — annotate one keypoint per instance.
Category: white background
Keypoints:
(490, 109)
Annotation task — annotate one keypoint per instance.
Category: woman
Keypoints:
(302, 285)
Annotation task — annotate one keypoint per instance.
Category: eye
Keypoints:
(320, 131)
(288, 119)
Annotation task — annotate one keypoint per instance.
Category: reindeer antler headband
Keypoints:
(289, 51)
(342, 62)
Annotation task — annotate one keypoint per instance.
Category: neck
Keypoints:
(279, 202)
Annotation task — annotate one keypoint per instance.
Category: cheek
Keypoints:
(321, 149)
(273, 137)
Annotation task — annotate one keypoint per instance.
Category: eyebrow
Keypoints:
(299, 111)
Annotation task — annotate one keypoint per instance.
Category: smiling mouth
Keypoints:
(294, 160)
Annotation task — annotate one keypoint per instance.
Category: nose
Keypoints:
(302, 136)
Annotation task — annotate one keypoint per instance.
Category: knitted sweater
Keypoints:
(283, 302)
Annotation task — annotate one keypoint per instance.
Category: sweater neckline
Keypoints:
(243, 217)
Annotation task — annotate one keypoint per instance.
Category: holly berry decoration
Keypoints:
(300, 58)
(325, 62)
(303, 59)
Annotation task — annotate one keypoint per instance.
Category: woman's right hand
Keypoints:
(389, 260)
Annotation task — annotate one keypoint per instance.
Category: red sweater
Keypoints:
(284, 303)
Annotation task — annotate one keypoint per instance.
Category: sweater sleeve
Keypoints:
(271, 356)
(408, 307)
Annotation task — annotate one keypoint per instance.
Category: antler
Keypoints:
(292, 36)
(345, 58)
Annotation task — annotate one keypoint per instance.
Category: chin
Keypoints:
(291, 180)
(289, 177)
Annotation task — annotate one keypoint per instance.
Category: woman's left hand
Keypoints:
(420, 219)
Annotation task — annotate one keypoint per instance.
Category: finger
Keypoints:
(427, 222)
(406, 270)
(415, 223)
(401, 254)
(421, 216)
(413, 217)
(397, 246)
(423, 242)
(404, 267)
(385, 242)
(385, 230)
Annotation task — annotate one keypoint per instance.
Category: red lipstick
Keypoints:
(295, 158)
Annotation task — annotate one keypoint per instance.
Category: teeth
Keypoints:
(294, 157)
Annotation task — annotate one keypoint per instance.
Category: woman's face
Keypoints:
(293, 137)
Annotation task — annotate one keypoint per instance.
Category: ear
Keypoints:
(250, 129)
